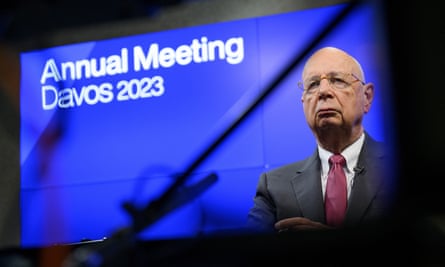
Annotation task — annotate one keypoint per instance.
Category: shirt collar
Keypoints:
(350, 153)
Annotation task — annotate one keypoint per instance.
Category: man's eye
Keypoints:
(313, 84)
(338, 82)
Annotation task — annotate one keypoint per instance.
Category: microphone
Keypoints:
(358, 169)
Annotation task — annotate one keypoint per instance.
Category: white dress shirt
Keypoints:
(351, 154)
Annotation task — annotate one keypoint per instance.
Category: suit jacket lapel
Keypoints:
(307, 187)
(366, 182)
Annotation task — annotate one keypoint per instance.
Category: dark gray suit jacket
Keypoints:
(294, 190)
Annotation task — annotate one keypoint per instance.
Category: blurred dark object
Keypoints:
(386, 245)
(26, 18)
(416, 38)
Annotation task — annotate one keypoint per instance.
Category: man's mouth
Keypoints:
(324, 113)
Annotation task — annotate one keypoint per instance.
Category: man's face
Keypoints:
(336, 96)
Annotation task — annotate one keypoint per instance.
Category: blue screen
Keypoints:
(112, 121)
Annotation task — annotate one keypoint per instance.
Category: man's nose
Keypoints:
(325, 86)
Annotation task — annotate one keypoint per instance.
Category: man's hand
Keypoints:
(299, 224)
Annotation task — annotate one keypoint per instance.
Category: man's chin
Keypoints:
(328, 122)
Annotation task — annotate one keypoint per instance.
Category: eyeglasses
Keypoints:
(336, 80)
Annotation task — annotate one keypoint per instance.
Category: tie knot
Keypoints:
(337, 159)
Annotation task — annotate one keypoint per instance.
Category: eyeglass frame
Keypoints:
(328, 77)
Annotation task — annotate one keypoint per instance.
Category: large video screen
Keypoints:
(114, 121)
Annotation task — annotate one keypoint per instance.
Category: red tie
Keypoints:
(336, 195)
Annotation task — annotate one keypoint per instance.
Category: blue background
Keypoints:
(79, 165)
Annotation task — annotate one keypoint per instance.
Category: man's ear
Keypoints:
(368, 91)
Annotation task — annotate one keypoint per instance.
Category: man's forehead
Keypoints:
(328, 63)
(327, 74)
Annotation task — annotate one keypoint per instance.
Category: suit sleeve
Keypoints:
(261, 216)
